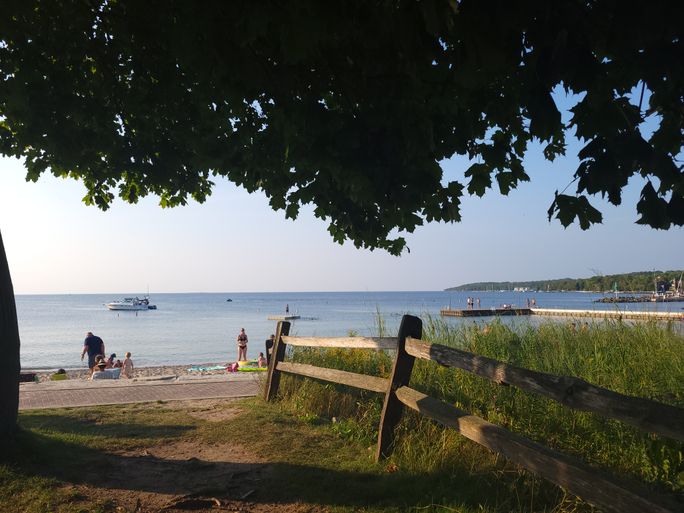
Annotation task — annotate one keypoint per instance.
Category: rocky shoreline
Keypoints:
(640, 299)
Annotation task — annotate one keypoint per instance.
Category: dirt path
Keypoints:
(184, 476)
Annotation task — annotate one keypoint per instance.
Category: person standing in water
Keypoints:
(242, 345)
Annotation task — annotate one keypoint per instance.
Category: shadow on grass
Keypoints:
(100, 426)
(40, 455)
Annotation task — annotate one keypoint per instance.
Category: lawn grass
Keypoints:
(55, 449)
(312, 461)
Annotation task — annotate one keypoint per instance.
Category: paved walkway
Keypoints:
(92, 393)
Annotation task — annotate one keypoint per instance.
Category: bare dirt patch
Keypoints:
(212, 410)
(184, 476)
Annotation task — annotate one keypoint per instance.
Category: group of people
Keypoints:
(94, 347)
(471, 301)
(242, 340)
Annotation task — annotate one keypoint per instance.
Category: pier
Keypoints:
(282, 317)
(483, 312)
(561, 312)
(610, 314)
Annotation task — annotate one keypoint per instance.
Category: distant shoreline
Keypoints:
(555, 291)
(632, 283)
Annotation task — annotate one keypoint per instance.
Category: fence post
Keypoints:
(278, 355)
(401, 374)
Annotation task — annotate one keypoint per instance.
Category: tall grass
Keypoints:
(644, 360)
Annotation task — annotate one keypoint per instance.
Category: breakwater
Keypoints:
(640, 299)
(563, 312)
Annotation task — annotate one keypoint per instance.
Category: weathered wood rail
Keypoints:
(591, 484)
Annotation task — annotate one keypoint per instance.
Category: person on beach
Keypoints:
(269, 348)
(261, 361)
(111, 361)
(242, 345)
(93, 345)
(97, 369)
(127, 366)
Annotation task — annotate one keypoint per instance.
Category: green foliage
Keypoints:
(642, 281)
(643, 360)
(349, 106)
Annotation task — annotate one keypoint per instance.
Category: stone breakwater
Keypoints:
(640, 299)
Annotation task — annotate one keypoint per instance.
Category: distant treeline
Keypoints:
(629, 282)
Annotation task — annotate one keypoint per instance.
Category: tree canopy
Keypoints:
(349, 106)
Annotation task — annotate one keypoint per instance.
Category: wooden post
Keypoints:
(401, 374)
(277, 355)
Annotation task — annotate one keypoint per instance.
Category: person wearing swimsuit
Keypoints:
(242, 345)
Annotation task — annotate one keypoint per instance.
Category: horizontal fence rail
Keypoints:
(576, 393)
(351, 379)
(379, 343)
(563, 470)
(589, 483)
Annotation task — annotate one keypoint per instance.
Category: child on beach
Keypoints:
(261, 362)
(127, 366)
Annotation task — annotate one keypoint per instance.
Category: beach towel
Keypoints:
(250, 366)
(108, 374)
(203, 369)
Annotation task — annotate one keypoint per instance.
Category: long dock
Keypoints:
(483, 312)
(561, 312)
(282, 317)
(610, 314)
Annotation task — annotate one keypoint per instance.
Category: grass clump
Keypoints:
(643, 360)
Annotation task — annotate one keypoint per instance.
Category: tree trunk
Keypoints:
(9, 351)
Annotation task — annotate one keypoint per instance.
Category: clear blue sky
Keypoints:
(235, 243)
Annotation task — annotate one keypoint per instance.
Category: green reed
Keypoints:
(644, 360)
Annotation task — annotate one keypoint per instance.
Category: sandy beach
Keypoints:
(145, 373)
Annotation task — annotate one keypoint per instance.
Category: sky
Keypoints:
(235, 242)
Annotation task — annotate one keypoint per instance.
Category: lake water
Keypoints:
(201, 328)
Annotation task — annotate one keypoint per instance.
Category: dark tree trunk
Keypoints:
(9, 351)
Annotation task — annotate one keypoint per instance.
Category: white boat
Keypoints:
(131, 303)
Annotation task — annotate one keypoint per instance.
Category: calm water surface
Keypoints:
(201, 328)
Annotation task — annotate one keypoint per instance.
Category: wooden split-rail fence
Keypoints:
(591, 484)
